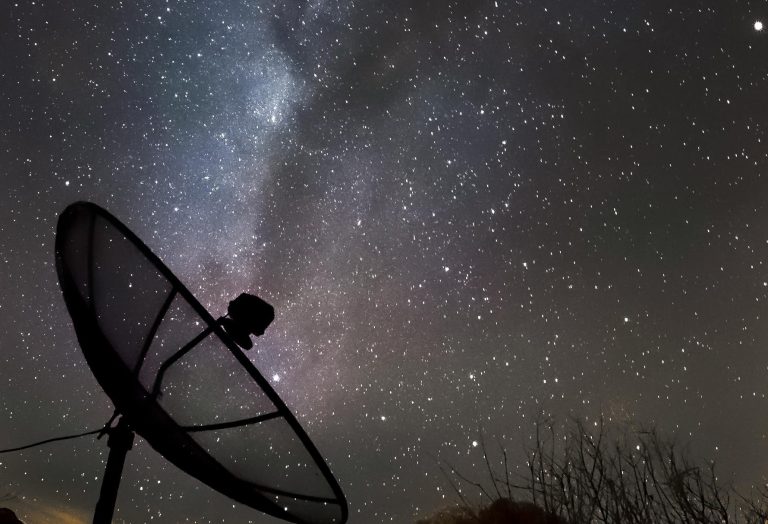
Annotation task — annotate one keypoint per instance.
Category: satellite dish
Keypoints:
(179, 379)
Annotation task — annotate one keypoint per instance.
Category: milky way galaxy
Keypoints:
(465, 214)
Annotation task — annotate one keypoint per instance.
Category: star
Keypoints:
(451, 205)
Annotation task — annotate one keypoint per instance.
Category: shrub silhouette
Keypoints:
(8, 517)
(590, 475)
(500, 511)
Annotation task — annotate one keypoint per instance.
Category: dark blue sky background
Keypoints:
(465, 213)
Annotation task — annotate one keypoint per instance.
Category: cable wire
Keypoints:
(47, 441)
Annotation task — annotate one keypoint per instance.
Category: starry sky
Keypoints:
(466, 214)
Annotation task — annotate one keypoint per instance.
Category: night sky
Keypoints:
(466, 214)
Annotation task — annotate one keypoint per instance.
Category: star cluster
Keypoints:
(464, 213)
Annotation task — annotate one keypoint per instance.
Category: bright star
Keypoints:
(758, 25)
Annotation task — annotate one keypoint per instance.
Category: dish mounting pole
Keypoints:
(120, 442)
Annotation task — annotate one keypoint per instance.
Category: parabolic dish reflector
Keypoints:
(207, 409)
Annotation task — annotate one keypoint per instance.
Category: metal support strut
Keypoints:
(120, 441)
